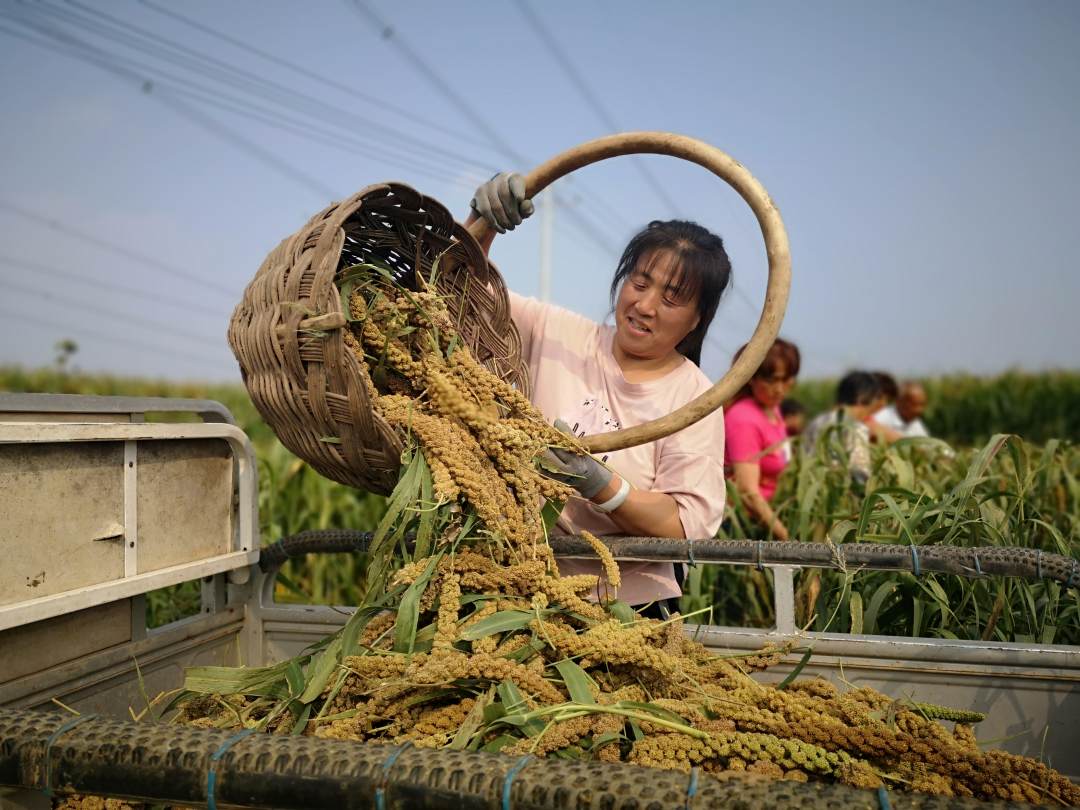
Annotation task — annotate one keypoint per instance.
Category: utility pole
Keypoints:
(547, 232)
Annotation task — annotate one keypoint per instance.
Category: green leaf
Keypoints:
(841, 529)
(905, 473)
(517, 709)
(473, 721)
(577, 682)
(406, 492)
(302, 720)
(570, 752)
(350, 634)
(791, 676)
(295, 677)
(605, 738)
(622, 611)
(526, 651)
(883, 592)
(425, 527)
(320, 669)
(269, 681)
(499, 743)
(550, 515)
(409, 610)
(855, 606)
(425, 639)
(653, 709)
(502, 622)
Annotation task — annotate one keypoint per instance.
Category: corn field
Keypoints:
(1006, 493)
(1003, 491)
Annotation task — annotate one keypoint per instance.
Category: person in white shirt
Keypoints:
(843, 429)
(905, 415)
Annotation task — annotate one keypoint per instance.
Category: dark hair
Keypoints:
(703, 266)
(857, 388)
(887, 383)
(791, 407)
(782, 351)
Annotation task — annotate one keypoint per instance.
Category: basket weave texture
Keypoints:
(287, 332)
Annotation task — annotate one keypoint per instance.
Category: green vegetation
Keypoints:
(1007, 492)
(966, 410)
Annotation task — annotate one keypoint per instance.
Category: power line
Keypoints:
(598, 107)
(68, 328)
(264, 156)
(148, 261)
(237, 106)
(738, 291)
(591, 99)
(105, 285)
(214, 127)
(715, 341)
(108, 62)
(387, 33)
(277, 59)
(148, 42)
(589, 227)
(318, 135)
(129, 69)
(122, 317)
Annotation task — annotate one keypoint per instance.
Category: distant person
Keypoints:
(889, 391)
(905, 415)
(794, 414)
(755, 452)
(849, 437)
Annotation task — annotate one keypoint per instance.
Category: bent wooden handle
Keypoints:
(776, 247)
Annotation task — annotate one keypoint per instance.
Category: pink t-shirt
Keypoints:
(749, 433)
(575, 377)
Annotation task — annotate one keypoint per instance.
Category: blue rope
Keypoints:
(690, 546)
(64, 728)
(1072, 574)
(760, 548)
(915, 567)
(883, 799)
(978, 568)
(380, 791)
(215, 758)
(691, 789)
(508, 780)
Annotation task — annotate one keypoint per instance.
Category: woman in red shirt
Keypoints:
(756, 438)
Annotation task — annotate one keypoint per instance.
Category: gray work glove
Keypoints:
(583, 472)
(502, 203)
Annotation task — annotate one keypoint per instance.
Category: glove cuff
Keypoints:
(616, 500)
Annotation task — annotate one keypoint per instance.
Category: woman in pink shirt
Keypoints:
(756, 450)
(597, 378)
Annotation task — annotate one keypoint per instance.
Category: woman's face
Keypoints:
(770, 388)
(650, 320)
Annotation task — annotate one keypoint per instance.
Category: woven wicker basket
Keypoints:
(287, 334)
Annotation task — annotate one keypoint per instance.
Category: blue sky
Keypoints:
(923, 156)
